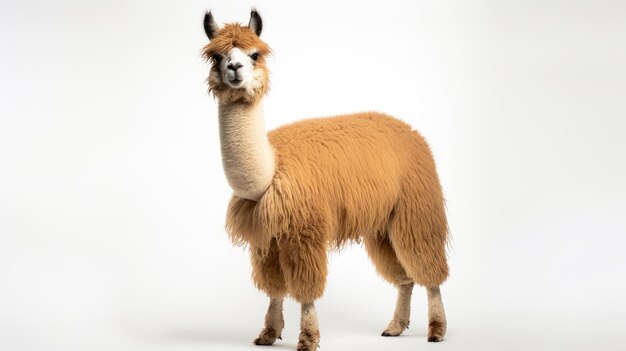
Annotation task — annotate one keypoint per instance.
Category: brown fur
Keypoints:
(436, 330)
(343, 179)
(364, 177)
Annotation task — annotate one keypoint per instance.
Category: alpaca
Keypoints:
(318, 184)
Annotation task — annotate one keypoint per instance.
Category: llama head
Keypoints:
(237, 56)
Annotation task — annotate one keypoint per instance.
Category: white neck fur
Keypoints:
(247, 155)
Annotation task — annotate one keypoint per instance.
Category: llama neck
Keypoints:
(247, 155)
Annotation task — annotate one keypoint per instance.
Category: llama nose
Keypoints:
(234, 66)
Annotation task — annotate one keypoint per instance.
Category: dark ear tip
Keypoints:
(210, 27)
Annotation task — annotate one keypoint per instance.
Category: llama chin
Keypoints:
(319, 184)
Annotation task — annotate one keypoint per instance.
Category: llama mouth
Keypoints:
(235, 82)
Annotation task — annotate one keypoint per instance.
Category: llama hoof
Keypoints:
(436, 331)
(390, 333)
(267, 337)
(395, 328)
(308, 341)
(435, 338)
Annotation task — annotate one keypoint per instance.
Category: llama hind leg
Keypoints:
(381, 253)
(418, 236)
(431, 275)
(436, 315)
(268, 277)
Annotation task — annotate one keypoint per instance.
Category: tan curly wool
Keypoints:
(340, 179)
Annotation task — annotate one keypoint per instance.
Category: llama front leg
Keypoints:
(304, 264)
(268, 277)
(274, 323)
(402, 314)
(309, 329)
(436, 315)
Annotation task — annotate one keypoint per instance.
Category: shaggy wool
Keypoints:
(342, 179)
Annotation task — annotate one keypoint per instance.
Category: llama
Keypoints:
(318, 184)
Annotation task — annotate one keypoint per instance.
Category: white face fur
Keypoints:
(237, 69)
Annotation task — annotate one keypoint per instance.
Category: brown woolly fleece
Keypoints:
(357, 177)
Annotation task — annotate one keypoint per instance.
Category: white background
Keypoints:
(112, 195)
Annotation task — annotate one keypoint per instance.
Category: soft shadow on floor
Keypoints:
(215, 336)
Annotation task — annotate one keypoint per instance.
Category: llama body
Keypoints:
(363, 177)
(321, 183)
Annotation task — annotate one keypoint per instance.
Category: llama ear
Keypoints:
(210, 27)
(256, 24)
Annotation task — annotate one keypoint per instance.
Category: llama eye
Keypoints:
(217, 58)
(254, 56)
